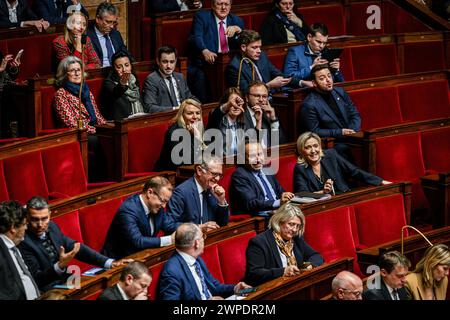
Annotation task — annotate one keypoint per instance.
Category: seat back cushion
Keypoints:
(153, 287)
(423, 56)
(285, 174)
(3, 188)
(225, 182)
(69, 223)
(211, 257)
(331, 15)
(436, 149)
(382, 57)
(49, 118)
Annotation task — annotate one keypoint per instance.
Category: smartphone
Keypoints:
(305, 265)
(19, 55)
(248, 290)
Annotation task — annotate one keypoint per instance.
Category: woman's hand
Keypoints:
(5, 62)
(125, 79)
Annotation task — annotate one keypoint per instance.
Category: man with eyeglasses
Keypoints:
(392, 278)
(139, 220)
(201, 199)
(105, 38)
(48, 252)
(301, 59)
(185, 275)
(347, 286)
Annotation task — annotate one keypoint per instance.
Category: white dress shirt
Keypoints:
(190, 261)
(165, 240)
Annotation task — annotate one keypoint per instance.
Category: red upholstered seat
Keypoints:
(24, 176)
(397, 20)
(285, 174)
(64, 171)
(330, 233)
(155, 270)
(436, 149)
(95, 86)
(387, 212)
(232, 255)
(3, 188)
(357, 18)
(141, 78)
(257, 19)
(382, 57)
(378, 107)
(331, 15)
(347, 64)
(424, 100)
(225, 182)
(95, 221)
(146, 35)
(423, 56)
(277, 60)
(211, 257)
(144, 147)
(179, 28)
(49, 119)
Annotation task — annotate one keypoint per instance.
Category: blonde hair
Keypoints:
(301, 141)
(70, 25)
(179, 119)
(285, 213)
(439, 254)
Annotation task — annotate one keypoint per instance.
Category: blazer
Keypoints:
(24, 13)
(273, 30)
(416, 290)
(111, 293)
(317, 116)
(204, 35)
(247, 196)
(116, 40)
(264, 261)
(336, 168)
(11, 286)
(156, 94)
(383, 293)
(46, 9)
(62, 50)
(184, 205)
(130, 230)
(177, 283)
(267, 70)
(39, 262)
(298, 64)
(115, 105)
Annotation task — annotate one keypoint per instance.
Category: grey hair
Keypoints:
(207, 161)
(61, 72)
(37, 203)
(342, 279)
(106, 7)
(214, 1)
(285, 213)
(185, 235)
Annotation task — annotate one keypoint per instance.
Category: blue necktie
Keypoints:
(109, 47)
(202, 280)
(205, 215)
(266, 186)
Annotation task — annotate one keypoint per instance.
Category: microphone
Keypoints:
(83, 43)
(83, 39)
(240, 70)
(423, 236)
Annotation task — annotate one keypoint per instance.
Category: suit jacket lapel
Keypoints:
(215, 32)
(312, 177)
(340, 104)
(328, 110)
(188, 274)
(274, 249)
(196, 197)
(142, 216)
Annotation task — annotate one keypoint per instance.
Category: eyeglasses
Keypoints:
(74, 71)
(355, 293)
(260, 96)
(160, 199)
(214, 174)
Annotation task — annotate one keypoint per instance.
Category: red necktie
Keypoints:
(223, 38)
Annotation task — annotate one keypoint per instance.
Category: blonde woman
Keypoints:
(280, 250)
(70, 44)
(184, 137)
(429, 280)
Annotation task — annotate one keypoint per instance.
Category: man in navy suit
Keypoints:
(185, 275)
(213, 31)
(55, 11)
(255, 66)
(48, 252)
(393, 270)
(139, 219)
(200, 199)
(252, 191)
(103, 34)
(20, 15)
(301, 59)
(329, 111)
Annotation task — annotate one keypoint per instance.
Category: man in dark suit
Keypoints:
(252, 190)
(133, 284)
(165, 89)
(213, 31)
(301, 59)
(55, 11)
(329, 111)
(139, 219)
(347, 286)
(158, 6)
(185, 275)
(16, 281)
(255, 66)
(22, 15)
(393, 270)
(200, 199)
(48, 252)
(105, 38)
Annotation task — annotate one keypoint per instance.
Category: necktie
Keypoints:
(152, 226)
(173, 96)
(395, 294)
(205, 215)
(109, 47)
(266, 187)
(223, 38)
(25, 268)
(49, 248)
(202, 280)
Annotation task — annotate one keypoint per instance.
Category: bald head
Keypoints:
(347, 286)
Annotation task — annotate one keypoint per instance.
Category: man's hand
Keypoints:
(291, 271)
(258, 116)
(65, 258)
(335, 64)
(286, 196)
(194, 4)
(240, 286)
(232, 30)
(142, 296)
(278, 82)
(318, 61)
(219, 193)
(293, 18)
(209, 56)
(121, 262)
(307, 84)
(269, 110)
(210, 225)
(346, 132)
